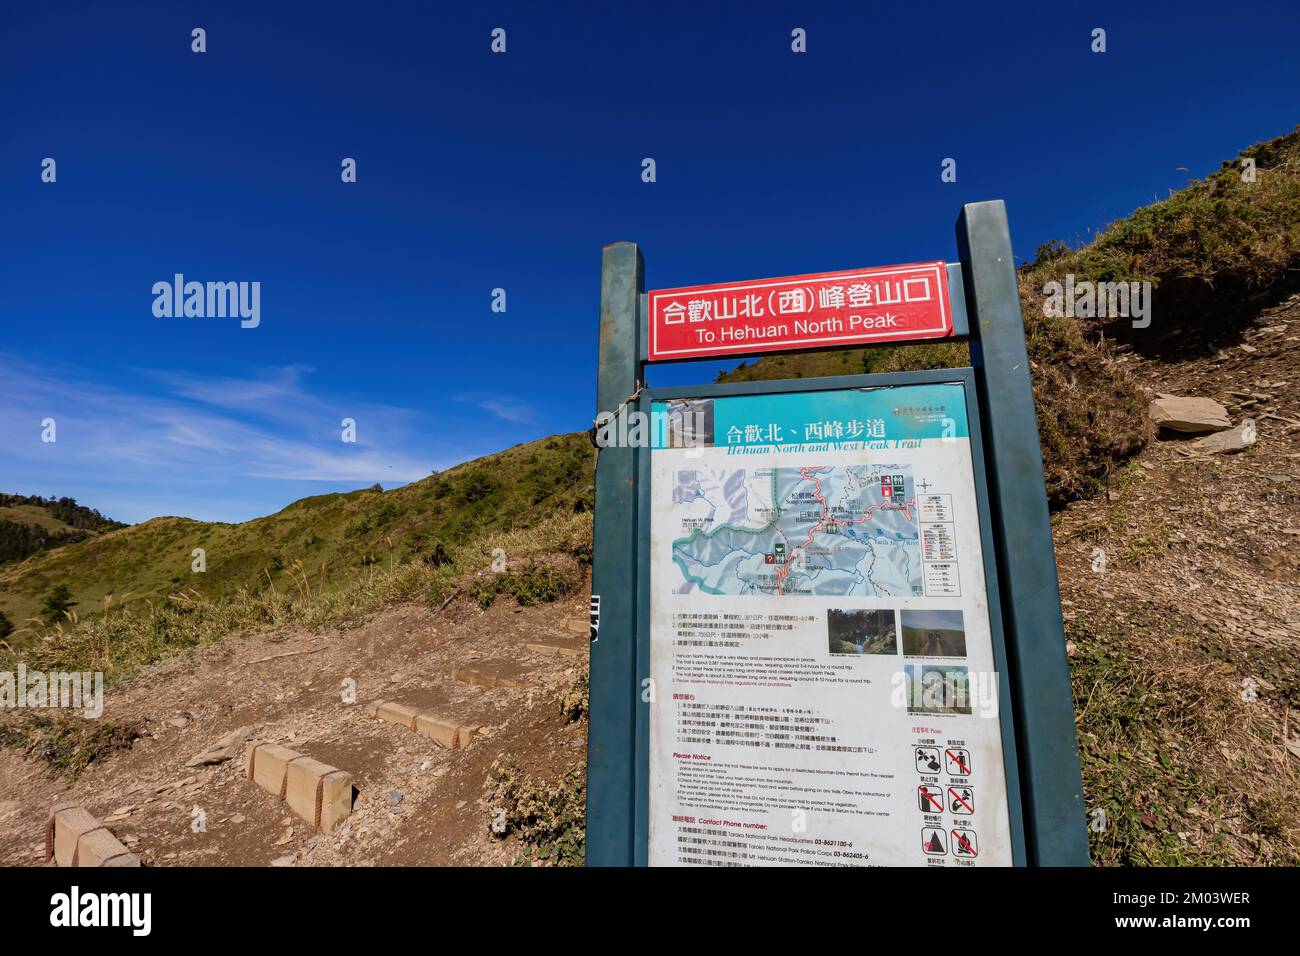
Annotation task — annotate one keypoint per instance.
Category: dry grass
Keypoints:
(125, 639)
(1172, 753)
(1213, 252)
(68, 744)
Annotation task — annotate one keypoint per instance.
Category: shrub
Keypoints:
(477, 485)
(534, 583)
(438, 556)
(68, 744)
(576, 701)
(549, 820)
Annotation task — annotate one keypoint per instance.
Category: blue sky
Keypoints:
(478, 171)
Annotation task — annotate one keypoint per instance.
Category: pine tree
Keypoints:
(57, 602)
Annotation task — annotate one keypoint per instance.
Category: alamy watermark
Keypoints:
(209, 300)
(37, 690)
(682, 427)
(934, 689)
(1086, 299)
(130, 910)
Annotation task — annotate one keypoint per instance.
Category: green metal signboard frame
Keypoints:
(1040, 748)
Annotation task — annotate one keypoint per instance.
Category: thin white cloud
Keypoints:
(504, 407)
(217, 436)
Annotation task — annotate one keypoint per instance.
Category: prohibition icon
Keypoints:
(929, 799)
(964, 843)
(957, 760)
(961, 800)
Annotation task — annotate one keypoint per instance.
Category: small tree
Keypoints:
(438, 556)
(57, 602)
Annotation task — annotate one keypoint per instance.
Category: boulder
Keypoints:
(227, 748)
(1190, 415)
(1229, 442)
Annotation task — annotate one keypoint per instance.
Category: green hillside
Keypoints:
(331, 535)
(55, 513)
(29, 523)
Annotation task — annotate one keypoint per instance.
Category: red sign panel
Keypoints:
(856, 307)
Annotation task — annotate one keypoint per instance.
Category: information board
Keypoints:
(824, 680)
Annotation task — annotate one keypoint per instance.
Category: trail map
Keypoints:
(812, 530)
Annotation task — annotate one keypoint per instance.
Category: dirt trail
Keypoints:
(287, 686)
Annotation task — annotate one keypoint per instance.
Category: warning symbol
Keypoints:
(927, 760)
(964, 844)
(961, 799)
(929, 799)
(934, 842)
(957, 760)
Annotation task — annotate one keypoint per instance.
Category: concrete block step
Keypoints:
(577, 626)
(562, 651)
(445, 732)
(73, 837)
(317, 792)
(480, 677)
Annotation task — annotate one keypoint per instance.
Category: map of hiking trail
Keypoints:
(816, 530)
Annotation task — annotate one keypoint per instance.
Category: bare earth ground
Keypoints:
(1182, 604)
(1185, 643)
(147, 795)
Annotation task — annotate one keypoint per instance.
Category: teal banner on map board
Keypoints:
(843, 417)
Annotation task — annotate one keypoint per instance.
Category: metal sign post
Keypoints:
(610, 740)
(1044, 707)
(772, 556)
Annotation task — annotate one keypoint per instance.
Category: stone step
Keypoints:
(446, 733)
(483, 678)
(575, 652)
(317, 792)
(75, 838)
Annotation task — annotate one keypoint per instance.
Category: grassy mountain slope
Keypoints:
(330, 535)
(55, 513)
(29, 523)
(1215, 253)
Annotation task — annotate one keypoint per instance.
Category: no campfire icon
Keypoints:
(963, 843)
